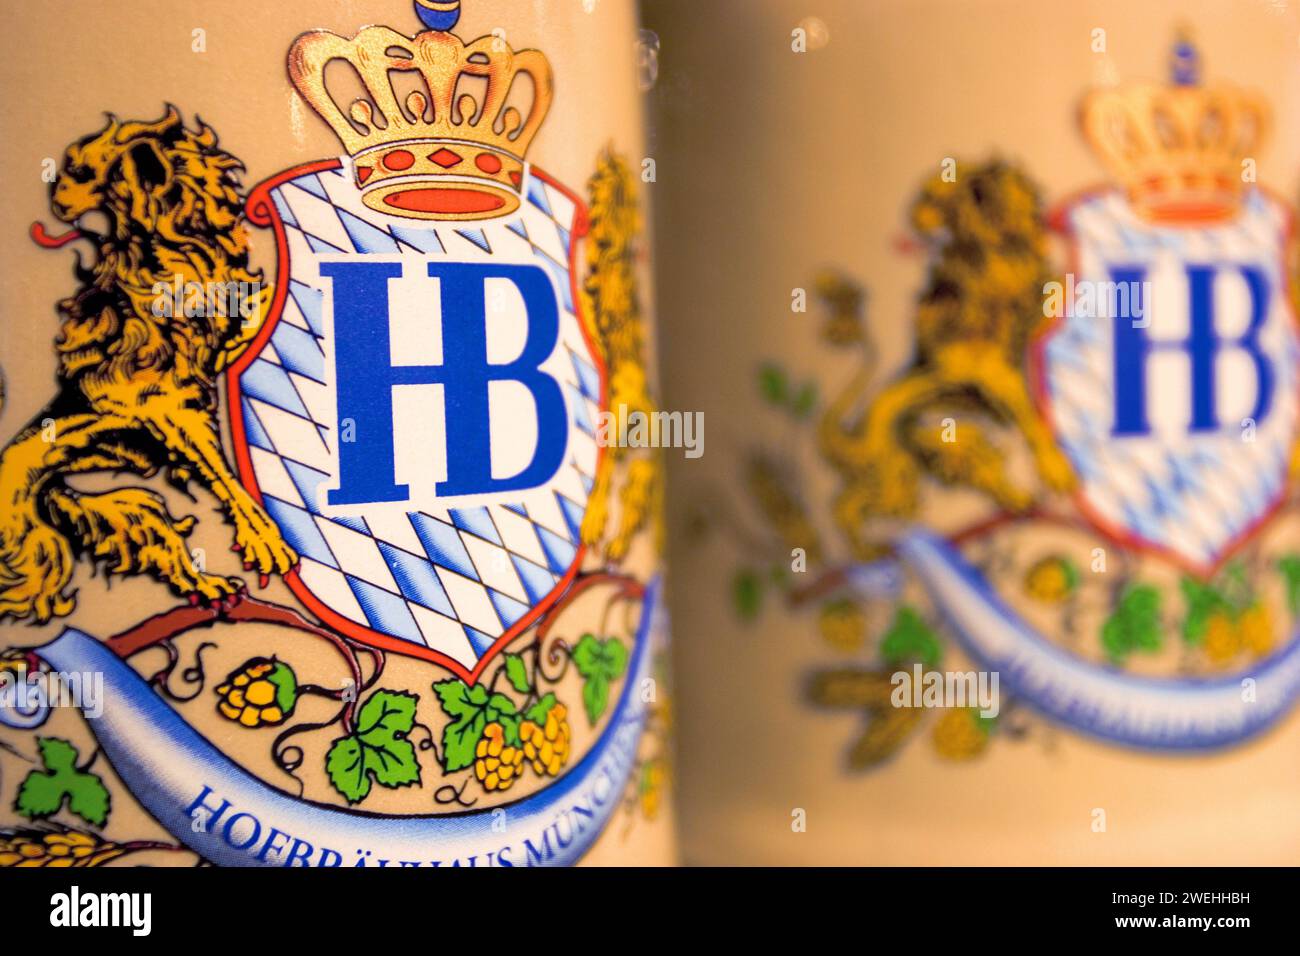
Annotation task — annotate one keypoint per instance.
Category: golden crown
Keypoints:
(451, 146)
(1178, 149)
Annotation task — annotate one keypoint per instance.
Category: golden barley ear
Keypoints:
(56, 847)
(636, 500)
(885, 734)
(868, 690)
(778, 500)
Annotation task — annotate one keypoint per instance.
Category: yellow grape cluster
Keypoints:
(547, 745)
(497, 764)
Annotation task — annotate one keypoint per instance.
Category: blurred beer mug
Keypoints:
(319, 405)
(999, 562)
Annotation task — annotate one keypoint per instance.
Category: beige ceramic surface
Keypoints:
(774, 165)
(132, 57)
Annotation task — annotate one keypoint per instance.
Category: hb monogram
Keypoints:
(366, 376)
(1203, 346)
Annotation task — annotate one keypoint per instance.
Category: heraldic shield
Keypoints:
(418, 412)
(1173, 379)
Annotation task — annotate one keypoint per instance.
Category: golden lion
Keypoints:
(136, 390)
(981, 306)
(616, 323)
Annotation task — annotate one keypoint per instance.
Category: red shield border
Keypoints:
(1058, 221)
(261, 211)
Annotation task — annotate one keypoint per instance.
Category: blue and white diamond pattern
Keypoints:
(1189, 493)
(450, 578)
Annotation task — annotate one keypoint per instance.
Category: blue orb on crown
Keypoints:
(1185, 61)
(438, 14)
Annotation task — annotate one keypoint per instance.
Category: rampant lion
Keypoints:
(981, 306)
(137, 384)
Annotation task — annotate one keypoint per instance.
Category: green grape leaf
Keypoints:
(377, 749)
(345, 766)
(593, 656)
(517, 673)
(910, 639)
(503, 711)
(1203, 601)
(595, 697)
(510, 729)
(537, 713)
(1134, 624)
(42, 793)
(459, 740)
(987, 724)
(462, 734)
(773, 384)
(1236, 586)
(471, 709)
(599, 662)
(1113, 640)
(747, 593)
(804, 401)
(1289, 565)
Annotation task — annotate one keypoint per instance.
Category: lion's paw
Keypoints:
(262, 546)
(1014, 499)
(1056, 471)
(189, 579)
(210, 589)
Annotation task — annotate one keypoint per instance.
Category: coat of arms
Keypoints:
(1129, 423)
(1177, 395)
(412, 407)
(417, 412)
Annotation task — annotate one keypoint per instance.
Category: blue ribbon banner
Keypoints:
(1142, 712)
(231, 818)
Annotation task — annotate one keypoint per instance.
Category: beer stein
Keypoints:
(993, 556)
(311, 551)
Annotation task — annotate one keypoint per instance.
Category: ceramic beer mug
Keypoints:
(309, 554)
(994, 554)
